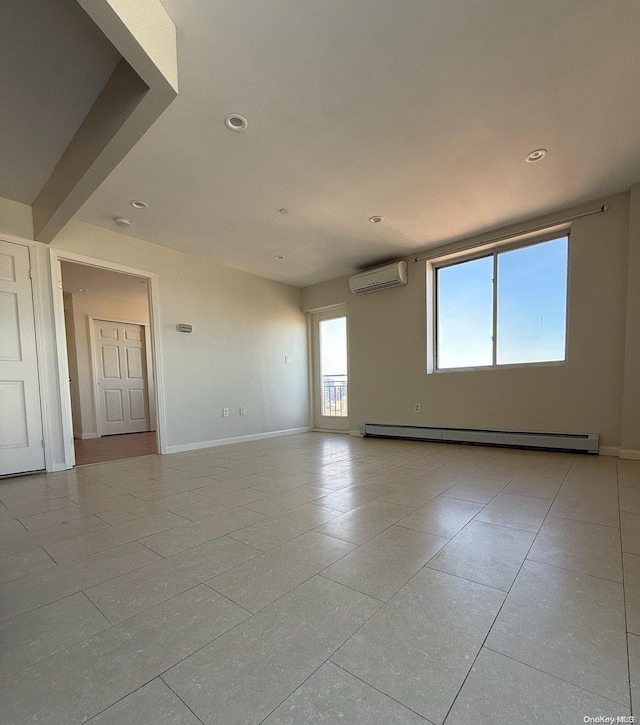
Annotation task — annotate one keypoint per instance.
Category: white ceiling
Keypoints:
(103, 283)
(422, 111)
(53, 64)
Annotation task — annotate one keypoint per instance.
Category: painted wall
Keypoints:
(16, 219)
(243, 326)
(631, 410)
(78, 308)
(388, 347)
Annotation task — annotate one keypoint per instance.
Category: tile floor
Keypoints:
(322, 578)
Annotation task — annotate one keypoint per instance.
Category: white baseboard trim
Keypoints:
(356, 434)
(329, 430)
(183, 447)
(85, 436)
(629, 454)
(609, 451)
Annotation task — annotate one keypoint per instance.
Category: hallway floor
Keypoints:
(322, 578)
(113, 448)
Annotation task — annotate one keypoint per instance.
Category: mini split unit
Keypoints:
(391, 275)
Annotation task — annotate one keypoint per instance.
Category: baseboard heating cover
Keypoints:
(579, 442)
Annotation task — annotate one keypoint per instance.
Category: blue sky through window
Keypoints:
(333, 346)
(531, 298)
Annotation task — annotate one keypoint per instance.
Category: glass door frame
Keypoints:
(319, 422)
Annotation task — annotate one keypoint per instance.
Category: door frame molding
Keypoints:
(153, 418)
(37, 298)
(56, 256)
(338, 308)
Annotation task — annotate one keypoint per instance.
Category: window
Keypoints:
(507, 307)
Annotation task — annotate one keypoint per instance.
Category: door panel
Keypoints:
(122, 394)
(134, 363)
(330, 370)
(136, 405)
(110, 361)
(20, 415)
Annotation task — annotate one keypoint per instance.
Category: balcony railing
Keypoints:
(334, 396)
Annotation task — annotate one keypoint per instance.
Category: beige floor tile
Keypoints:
(485, 553)
(36, 590)
(51, 534)
(629, 473)
(272, 505)
(535, 486)
(153, 704)
(502, 690)
(476, 489)
(36, 635)
(423, 662)
(51, 518)
(95, 506)
(80, 546)
(415, 494)
(139, 509)
(630, 500)
(271, 532)
(132, 593)
(569, 625)
(385, 563)
(244, 675)
(634, 668)
(571, 503)
(269, 576)
(24, 563)
(442, 516)
(9, 529)
(332, 695)
(222, 502)
(190, 534)
(85, 679)
(35, 508)
(587, 548)
(517, 512)
(630, 526)
(498, 472)
(353, 497)
(365, 522)
(632, 592)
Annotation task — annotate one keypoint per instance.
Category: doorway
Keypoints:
(109, 351)
(330, 356)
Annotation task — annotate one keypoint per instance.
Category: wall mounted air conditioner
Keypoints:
(391, 275)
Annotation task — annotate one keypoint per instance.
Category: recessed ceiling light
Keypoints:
(137, 204)
(122, 221)
(82, 289)
(376, 219)
(279, 257)
(536, 155)
(235, 122)
(283, 211)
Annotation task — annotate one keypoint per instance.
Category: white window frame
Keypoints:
(492, 250)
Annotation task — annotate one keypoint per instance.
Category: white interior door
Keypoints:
(121, 378)
(21, 445)
(329, 340)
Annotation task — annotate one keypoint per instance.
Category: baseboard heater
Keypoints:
(573, 442)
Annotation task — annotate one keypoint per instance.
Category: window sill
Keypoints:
(506, 366)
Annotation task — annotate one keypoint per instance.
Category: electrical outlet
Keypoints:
(286, 359)
(242, 410)
(416, 408)
(225, 412)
